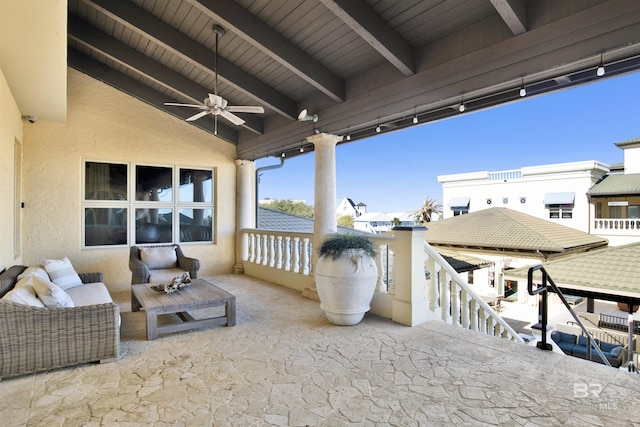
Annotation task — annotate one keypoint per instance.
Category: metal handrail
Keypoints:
(543, 290)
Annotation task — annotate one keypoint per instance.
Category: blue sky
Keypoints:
(397, 171)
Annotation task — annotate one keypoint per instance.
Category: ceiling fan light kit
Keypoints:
(216, 105)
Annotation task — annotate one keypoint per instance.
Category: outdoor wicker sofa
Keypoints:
(34, 339)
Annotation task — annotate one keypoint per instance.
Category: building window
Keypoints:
(560, 211)
(146, 204)
(598, 209)
(633, 211)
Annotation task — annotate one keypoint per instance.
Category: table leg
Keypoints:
(135, 304)
(231, 312)
(152, 325)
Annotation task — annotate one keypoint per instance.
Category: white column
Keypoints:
(324, 220)
(245, 208)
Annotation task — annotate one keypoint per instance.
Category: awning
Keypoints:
(559, 198)
(459, 202)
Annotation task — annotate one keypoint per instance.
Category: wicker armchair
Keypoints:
(141, 273)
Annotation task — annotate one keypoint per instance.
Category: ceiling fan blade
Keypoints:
(197, 116)
(176, 104)
(244, 109)
(232, 118)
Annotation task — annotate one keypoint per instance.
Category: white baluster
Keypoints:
(296, 254)
(287, 253)
(482, 318)
(445, 301)
(464, 314)
(252, 247)
(272, 251)
(455, 303)
(265, 249)
(473, 315)
(279, 252)
(305, 256)
(380, 285)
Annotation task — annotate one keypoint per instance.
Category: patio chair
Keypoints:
(159, 264)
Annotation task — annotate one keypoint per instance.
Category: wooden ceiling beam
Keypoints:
(142, 22)
(240, 21)
(376, 32)
(513, 13)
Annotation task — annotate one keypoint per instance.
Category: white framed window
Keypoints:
(131, 204)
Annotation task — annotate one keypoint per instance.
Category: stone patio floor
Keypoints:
(283, 364)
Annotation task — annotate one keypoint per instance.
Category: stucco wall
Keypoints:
(10, 131)
(105, 124)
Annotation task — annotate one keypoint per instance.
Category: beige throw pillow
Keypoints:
(159, 257)
(24, 294)
(50, 294)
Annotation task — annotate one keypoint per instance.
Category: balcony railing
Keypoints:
(617, 226)
(402, 293)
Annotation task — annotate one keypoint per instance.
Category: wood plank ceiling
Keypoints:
(357, 64)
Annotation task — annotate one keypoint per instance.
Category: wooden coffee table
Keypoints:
(199, 294)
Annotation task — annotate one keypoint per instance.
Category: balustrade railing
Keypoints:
(455, 301)
(617, 225)
(285, 258)
(505, 175)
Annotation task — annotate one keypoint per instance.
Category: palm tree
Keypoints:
(429, 207)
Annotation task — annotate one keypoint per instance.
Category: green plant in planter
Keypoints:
(335, 244)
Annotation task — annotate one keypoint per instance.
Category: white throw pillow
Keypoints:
(34, 270)
(61, 273)
(24, 294)
(50, 293)
(159, 257)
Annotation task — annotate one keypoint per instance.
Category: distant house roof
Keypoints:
(502, 228)
(617, 184)
(628, 143)
(613, 270)
(270, 219)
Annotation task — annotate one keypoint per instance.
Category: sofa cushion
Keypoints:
(9, 277)
(159, 257)
(23, 295)
(50, 294)
(615, 351)
(62, 273)
(564, 337)
(90, 294)
(606, 346)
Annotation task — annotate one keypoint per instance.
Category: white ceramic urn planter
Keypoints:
(346, 285)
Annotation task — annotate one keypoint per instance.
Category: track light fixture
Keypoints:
(378, 129)
(523, 91)
(302, 149)
(283, 154)
(304, 116)
(600, 71)
(461, 108)
(415, 120)
(348, 137)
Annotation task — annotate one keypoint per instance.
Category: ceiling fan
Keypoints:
(215, 104)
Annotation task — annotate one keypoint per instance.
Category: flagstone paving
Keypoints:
(283, 364)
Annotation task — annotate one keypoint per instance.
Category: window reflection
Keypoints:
(196, 225)
(105, 226)
(105, 181)
(154, 225)
(196, 185)
(153, 183)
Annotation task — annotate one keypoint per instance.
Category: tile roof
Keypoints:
(502, 228)
(270, 219)
(617, 184)
(615, 269)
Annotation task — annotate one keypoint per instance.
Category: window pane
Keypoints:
(105, 226)
(567, 214)
(554, 213)
(196, 225)
(154, 225)
(105, 181)
(196, 185)
(153, 183)
(633, 211)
